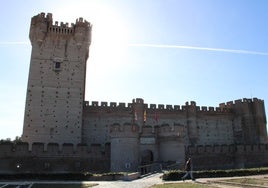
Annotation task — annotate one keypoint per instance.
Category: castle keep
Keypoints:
(56, 83)
(63, 132)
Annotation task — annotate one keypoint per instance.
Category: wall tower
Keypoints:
(56, 82)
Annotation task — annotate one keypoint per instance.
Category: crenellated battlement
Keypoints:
(43, 24)
(157, 107)
(228, 156)
(62, 28)
(96, 104)
(205, 149)
(50, 149)
(52, 157)
(231, 104)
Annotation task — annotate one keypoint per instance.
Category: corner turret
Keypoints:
(250, 121)
(191, 122)
(125, 148)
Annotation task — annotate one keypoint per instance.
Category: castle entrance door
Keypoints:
(147, 158)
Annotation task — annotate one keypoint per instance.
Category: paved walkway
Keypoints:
(145, 182)
(139, 183)
(155, 179)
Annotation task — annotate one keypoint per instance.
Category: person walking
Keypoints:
(188, 169)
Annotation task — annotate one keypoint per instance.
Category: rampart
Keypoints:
(55, 27)
(240, 101)
(155, 107)
(53, 158)
(228, 156)
(42, 25)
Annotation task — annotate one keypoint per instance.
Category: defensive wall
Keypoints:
(236, 122)
(240, 101)
(95, 105)
(17, 158)
(39, 157)
(228, 156)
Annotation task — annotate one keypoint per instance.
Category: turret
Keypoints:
(250, 121)
(139, 112)
(82, 32)
(39, 27)
(260, 120)
(191, 122)
(124, 148)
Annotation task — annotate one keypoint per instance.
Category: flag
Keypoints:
(156, 117)
(136, 117)
(144, 116)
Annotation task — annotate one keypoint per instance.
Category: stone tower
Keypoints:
(56, 83)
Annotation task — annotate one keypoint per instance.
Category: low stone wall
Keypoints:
(131, 176)
(19, 159)
(228, 156)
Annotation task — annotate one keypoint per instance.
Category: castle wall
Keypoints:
(165, 131)
(125, 150)
(97, 120)
(171, 141)
(55, 158)
(171, 150)
(228, 156)
(217, 129)
(210, 125)
(249, 120)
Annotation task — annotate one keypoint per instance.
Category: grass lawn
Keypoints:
(254, 181)
(182, 185)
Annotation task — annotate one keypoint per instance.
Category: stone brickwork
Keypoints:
(163, 132)
(56, 84)
(121, 136)
(17, 158)
(202, 125)
(228, 156)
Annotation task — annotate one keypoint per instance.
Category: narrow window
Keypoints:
(57, 65)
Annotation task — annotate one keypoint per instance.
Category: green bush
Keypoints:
(173, 175)
(177, 174)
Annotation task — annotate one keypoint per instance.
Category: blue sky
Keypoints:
(166, 52)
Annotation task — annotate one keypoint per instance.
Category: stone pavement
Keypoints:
(139, 183)
(148, 181)
(145, 182)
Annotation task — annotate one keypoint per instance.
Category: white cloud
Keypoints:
(200, 48)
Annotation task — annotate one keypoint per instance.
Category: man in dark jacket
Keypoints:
(188, 169)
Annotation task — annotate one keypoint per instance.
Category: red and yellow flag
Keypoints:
(144, 116)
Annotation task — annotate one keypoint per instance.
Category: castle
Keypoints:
(63, 132)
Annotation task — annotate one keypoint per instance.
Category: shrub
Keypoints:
(173, 175)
